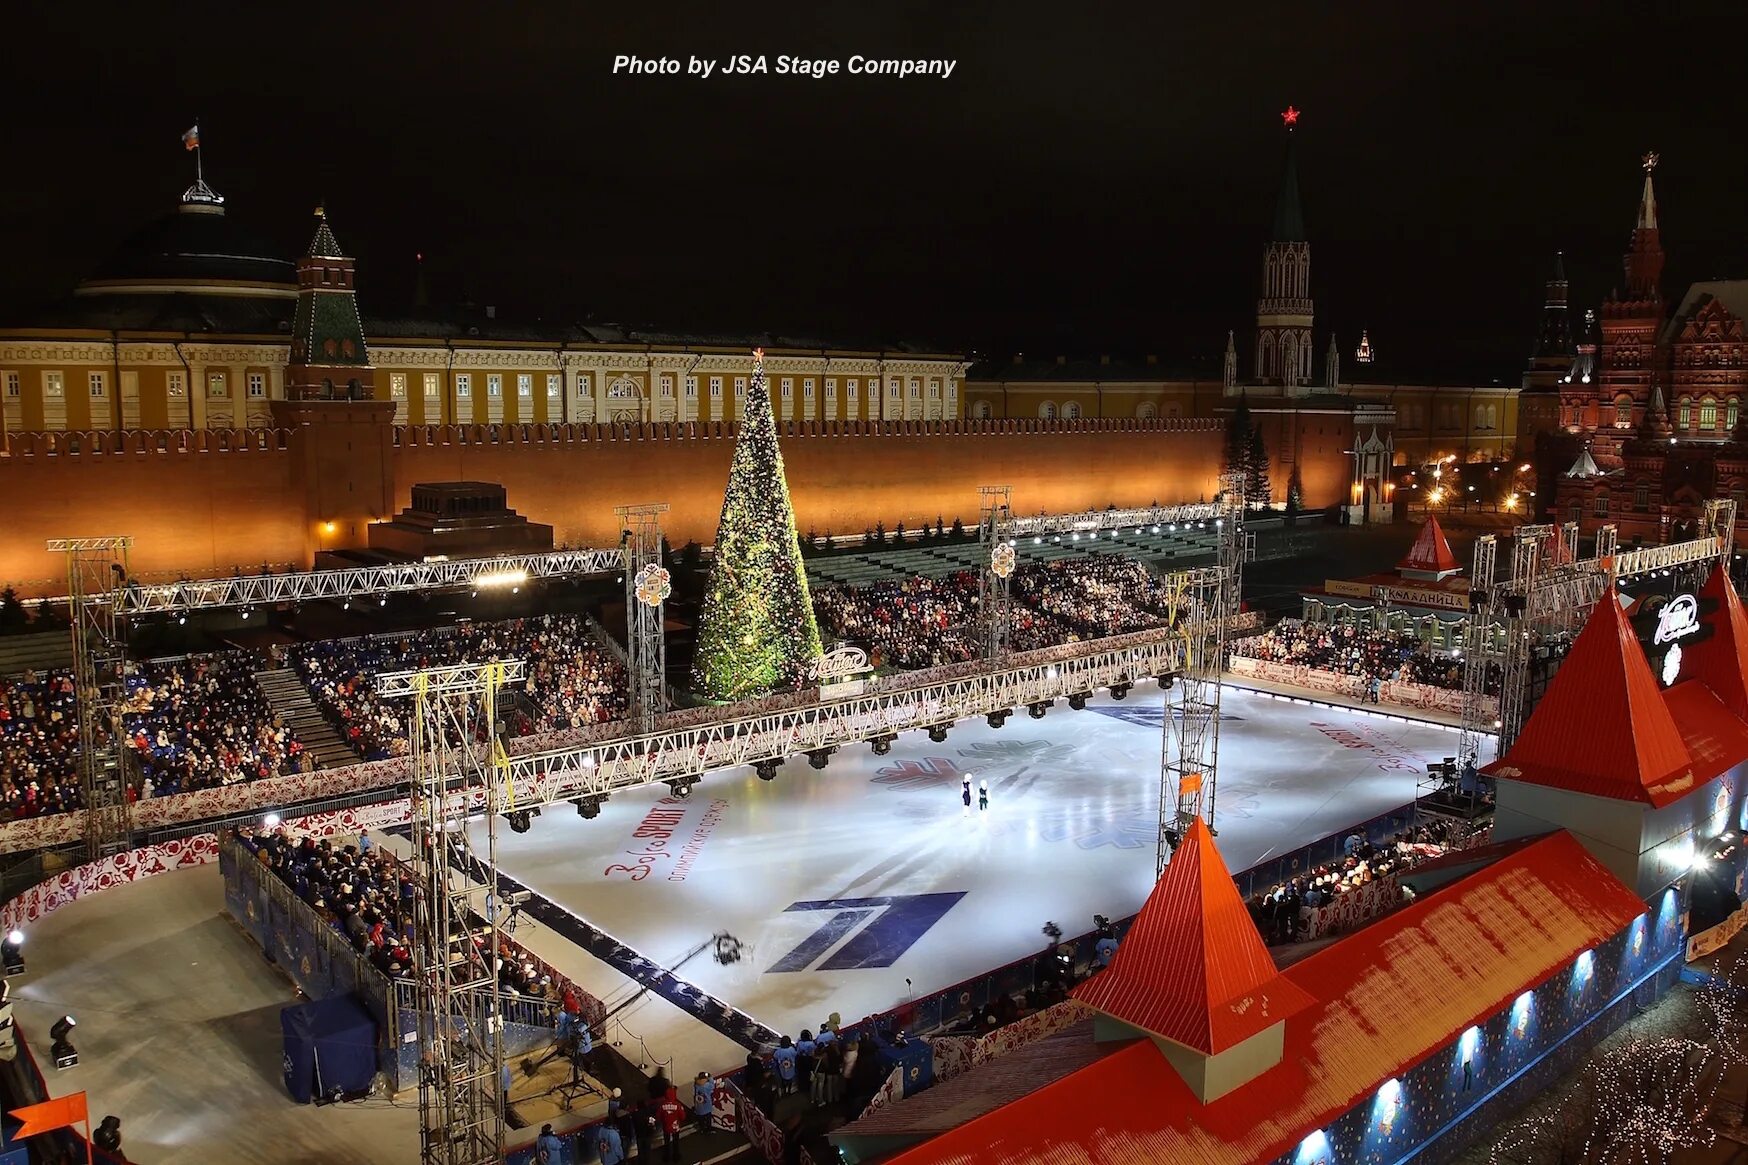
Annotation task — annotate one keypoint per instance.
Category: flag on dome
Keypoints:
(191, 138)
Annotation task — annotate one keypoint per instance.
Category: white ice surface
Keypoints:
(1070, 831)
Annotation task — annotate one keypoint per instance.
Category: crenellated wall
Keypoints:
(202, 503)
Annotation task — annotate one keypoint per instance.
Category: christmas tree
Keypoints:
(756, 631)
(1258, 492)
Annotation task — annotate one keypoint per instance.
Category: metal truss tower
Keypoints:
(1203, 602)
(647, 587)
(1479, 649)
(96, 581)
(1531, 557)
(995, 598)
(458, 765)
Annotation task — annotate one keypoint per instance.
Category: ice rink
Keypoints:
(854, 887)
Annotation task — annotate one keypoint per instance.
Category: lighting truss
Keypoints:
(645, 641)
(356, 582)
(995, 597)
(1096, 521)
(455, 964)
(96, 578)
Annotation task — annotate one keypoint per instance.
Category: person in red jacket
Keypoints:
(672, 1115)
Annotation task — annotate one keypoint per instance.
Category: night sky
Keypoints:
(1092, 178)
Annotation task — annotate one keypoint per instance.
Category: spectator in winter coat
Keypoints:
(608, 1145)
(548, 1149)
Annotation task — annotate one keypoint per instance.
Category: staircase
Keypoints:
(287, 696)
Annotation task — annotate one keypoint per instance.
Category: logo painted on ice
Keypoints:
(1145, 716)
(917, 774)
(893, 925)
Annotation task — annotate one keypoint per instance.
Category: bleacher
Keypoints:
(1166, 550)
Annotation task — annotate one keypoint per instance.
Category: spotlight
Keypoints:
(12, 952)
(61, 1033)
(1120, 691)
(681, 786)
(938, 732)
(245, 612)
(382, 600)
(589, 807)
(880, 744)
(271, 821)
(819, 757)
(767, 769)
(1077, 701)
(520, 821)
(1037, 709)
(346, 606)
(181, 619)
(999, 717)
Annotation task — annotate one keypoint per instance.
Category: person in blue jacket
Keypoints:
(703, 1100)
(608, 1145)
(784, 1057)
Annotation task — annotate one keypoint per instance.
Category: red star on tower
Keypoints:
(1290, 117)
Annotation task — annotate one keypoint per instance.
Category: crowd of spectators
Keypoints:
(1281, 914)
(201, 721)
(39, 745)
(931, 622)
(571, 680)
(1347, 649)
(365, 893)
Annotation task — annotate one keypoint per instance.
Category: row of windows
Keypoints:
(54, 385)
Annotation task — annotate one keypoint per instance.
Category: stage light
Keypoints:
(61, 1033)
(520, 821)
(1120, 691)
(382, 600)
(271, 821)
(245, 612)
(1156, 529)
(938, 732)
(589, 807)
(181, 619)
(346, 606)
(500, 578)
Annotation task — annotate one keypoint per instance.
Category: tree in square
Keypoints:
(756, 631)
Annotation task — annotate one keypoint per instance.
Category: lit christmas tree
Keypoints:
(756, 631)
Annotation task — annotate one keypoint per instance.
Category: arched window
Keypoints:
(1289, 356)
(1642, 496)
(980, 411)
(1732, 410)
(1684, 414)
(1623, 412)
(1047, 411)
(1265, 355)
(1708, 413)
(1146, 411)
(1574, 510)
(1071, 411)
(1599, 507)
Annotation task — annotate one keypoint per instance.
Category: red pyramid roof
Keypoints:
(1431, 551)
(1603, 726)
(1193, 968)
(1720, 661)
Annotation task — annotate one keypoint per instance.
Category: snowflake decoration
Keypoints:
(654, 585)
(1001, 560)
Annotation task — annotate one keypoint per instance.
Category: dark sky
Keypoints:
(1092, 178)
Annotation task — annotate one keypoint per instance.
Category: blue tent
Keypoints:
(330, 1046)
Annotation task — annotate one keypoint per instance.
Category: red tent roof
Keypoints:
(1431, 551)
(1386, 997)
(1603, 726)
(1720, 661)
(1193, 968)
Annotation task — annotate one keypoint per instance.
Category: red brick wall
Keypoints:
(198, 511)
(203, 510)
(842, 483)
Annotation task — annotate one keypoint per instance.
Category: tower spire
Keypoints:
(1284, 309)
(1648, 199)
(1554, 338)
(1644, 262)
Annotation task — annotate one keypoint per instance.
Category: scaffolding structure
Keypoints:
(1202, 603)
(1551, 592)
(647, 587)
(96, 583)
(995, 594)
(458, 761)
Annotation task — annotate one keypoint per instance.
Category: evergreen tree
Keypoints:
(1238, 444)
(1257, 490)
(898, 534)
(13, 617)
(756, 630)
(1295, 497)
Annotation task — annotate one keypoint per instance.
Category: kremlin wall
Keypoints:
(209, 500)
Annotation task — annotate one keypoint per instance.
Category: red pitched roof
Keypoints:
(1431, 551)
(1720, 661)
(1387, 996)
(1193, 968)
(1603, 727)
